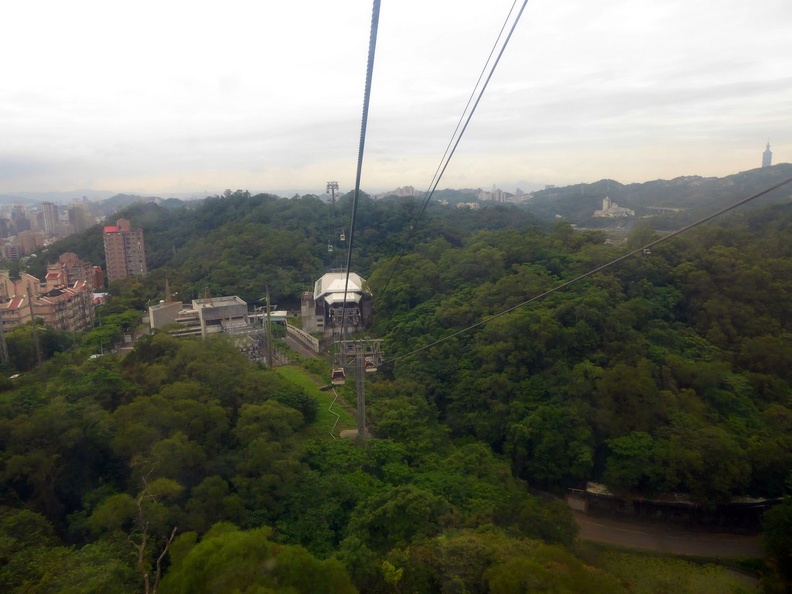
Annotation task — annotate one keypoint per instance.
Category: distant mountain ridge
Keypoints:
(64, 197)
(691, 195)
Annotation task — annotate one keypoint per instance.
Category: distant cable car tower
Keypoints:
(332, 186)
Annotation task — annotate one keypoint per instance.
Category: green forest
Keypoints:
(183, 467)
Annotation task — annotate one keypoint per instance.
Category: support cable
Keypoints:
(363, 125)
(446, 159)
(577, 279)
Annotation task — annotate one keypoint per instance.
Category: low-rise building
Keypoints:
(202, 317)
(64, 300)
(75, 269)
(69, 308)
(612, 210)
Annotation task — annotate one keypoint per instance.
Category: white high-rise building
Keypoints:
(767, 156)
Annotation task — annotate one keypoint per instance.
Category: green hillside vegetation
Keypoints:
(649, 574)
(103, 460)
(669, 372)
(239, 244)
(694, 196)
(334, 414)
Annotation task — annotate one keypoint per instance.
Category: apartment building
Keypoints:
(125, 251)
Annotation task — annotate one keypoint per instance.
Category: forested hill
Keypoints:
(684, 349)
(196, 240)
(669, 372)
(692, 197)
(240, 243)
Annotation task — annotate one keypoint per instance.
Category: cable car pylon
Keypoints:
(365, 355)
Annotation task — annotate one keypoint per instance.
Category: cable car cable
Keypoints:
(427, 195)
(363, 126)
(577, 279)
(443, 165)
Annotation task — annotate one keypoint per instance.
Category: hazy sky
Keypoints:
(171, 96)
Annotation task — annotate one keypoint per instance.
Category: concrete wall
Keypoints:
(305, 338)
(163, 314)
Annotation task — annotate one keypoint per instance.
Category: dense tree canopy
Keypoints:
(669, 372)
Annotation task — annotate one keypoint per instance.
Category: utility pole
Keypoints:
(361, 392)
(3, 345)
(36, 343)
(332, 186)
(270, 362)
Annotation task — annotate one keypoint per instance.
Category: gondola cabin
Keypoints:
(369, 365)
(338, 376)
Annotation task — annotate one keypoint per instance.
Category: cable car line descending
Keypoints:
(453, 144)
(338, 373)
(361, 148)
(641, 250)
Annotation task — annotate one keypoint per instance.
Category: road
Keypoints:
(667, 539)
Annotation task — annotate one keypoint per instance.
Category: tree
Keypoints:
(777, 528)
(147, 522)
(627, 399)
(269, 420)
(630, 465)
(399, 516)
(230, 560)
(549, 569)
(552, 447)
(704, 461)
(212, 501)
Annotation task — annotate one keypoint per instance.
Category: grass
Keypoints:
(648, 573)
(325, 418)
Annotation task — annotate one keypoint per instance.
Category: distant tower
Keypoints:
(767, 156)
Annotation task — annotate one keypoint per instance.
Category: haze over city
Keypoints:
(196, 97)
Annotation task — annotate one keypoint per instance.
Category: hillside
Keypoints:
(694, 196)
(667, 373)
(239, 243)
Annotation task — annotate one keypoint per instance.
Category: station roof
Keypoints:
(331, 287)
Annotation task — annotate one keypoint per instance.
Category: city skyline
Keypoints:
(268, 98)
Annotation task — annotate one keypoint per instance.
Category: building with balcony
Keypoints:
(69, 308)
(125, 251)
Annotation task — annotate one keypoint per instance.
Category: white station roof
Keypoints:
(331, 287)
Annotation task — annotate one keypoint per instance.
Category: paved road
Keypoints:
(667, 539)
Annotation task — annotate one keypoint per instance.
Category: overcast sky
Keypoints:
(169, 97)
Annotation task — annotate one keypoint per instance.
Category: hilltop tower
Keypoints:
(767, 156)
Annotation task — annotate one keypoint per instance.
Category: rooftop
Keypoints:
(331, 286)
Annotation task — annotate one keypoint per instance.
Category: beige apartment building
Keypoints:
(125, 251)
(59, 301)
